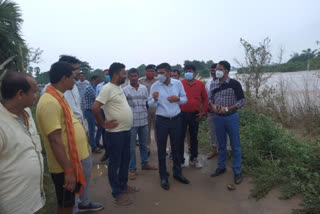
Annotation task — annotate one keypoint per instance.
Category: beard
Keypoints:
(121, 81)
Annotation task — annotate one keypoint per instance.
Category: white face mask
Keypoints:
(219, 74)
(162, 78)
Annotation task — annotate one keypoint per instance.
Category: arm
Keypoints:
(106, 124)
(182, 94)
(204, 100)
(152, 100)
(61, 156)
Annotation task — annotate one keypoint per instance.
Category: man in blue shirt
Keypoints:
(166, 95)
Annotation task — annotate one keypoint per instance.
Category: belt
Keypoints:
(226, 115)
(169, 118)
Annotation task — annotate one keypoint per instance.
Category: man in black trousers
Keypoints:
(166, 95)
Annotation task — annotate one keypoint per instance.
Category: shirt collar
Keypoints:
(5, 111)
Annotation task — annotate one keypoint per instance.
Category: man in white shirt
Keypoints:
(21, 162)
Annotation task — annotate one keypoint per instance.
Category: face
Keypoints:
(220, 67)
(76, 71)
(95, 81)
(213, 73)
(122, 76)
(164, 72)
(82, 77)
(68, 82)
(31, 97)
(150, 73)
(175, 75)
(191, 71)
(133, 77)
(105, 72)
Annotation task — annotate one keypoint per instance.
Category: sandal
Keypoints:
(131, 189)
(120, 200)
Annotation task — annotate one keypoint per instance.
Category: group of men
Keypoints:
(162, 105)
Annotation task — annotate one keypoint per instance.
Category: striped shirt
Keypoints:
(227, 93)
(137, 100)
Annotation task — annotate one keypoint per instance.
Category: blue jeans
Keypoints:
(142, 132)
(119, 157)
(228, 125)
(91, 126)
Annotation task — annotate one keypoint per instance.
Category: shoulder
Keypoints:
(234, 82)
(199, 82)
(143, 87)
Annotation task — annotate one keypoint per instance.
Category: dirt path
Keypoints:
(203, 195)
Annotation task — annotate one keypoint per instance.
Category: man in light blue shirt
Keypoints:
(166, 95)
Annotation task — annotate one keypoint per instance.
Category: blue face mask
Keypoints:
(162, 78)
(107, 79)
(188, 75)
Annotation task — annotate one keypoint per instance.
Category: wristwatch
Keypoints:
(226, 108)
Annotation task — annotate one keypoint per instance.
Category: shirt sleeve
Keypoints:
(182, 94)
(151, 102)
(49, 117)
(205, 101)
(239, 95)
(104, 95)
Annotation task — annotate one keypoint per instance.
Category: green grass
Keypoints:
(275, 158)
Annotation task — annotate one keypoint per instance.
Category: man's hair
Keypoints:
(151, 66)
(189, 67)
(115, 68)
(94, 77)
(12, 83)
(164, 66)
(214, 65)
(176, 71)
(225, 65)
(82, 73)
(133, 70)
(69, 59)
(59, 70)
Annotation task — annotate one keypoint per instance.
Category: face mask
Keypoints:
(188, 75)
(107, 79)
(162, 78)
(150, 75)
(219, 74)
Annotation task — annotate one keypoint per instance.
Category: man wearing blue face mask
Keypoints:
(192, 113)
(102, 131)
(226, 97)
(166, 95)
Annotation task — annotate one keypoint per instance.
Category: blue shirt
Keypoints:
(99, 87)
(164, 107)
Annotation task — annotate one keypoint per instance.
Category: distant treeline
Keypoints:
(306, 60)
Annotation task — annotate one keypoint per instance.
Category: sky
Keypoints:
(137, 32)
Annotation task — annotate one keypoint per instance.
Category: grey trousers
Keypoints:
(213, 135)
(83, 199)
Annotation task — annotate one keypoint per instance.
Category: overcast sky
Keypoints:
(144, 31)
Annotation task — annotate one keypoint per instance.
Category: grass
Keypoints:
(274, 157)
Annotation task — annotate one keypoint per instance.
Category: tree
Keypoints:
(13, 49)
(85, 67)
(255, 63)
(36, 71)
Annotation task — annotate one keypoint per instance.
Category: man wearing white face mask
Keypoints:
(190, 112)
(226, 97)
(166, 95)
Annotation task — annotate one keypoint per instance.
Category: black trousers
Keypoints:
(189, 119)
(171, 127)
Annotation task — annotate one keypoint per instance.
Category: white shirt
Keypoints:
(21, 165)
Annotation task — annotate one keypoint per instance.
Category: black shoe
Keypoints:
(181, 179)
(100, 146)
(104, 157)
(165, 184)
(218, 172)
(238, 178)
(91, 207)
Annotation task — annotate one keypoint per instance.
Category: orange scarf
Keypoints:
(73, 152)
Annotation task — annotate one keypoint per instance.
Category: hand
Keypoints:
(200, 116)
(69, 181)
(110, 124)
(214, 107)
(173, 99)
(155, 95)
(222, 110)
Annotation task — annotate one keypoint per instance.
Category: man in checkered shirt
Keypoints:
(226, 97)
(137, 97)
(88, 100)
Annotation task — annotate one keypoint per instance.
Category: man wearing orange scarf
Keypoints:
(64, 138)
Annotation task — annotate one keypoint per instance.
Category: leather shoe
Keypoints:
(181, 179)
(238, 178)
(218, 172)
(165, 184)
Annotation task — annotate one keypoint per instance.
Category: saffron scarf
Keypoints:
(73, 152)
